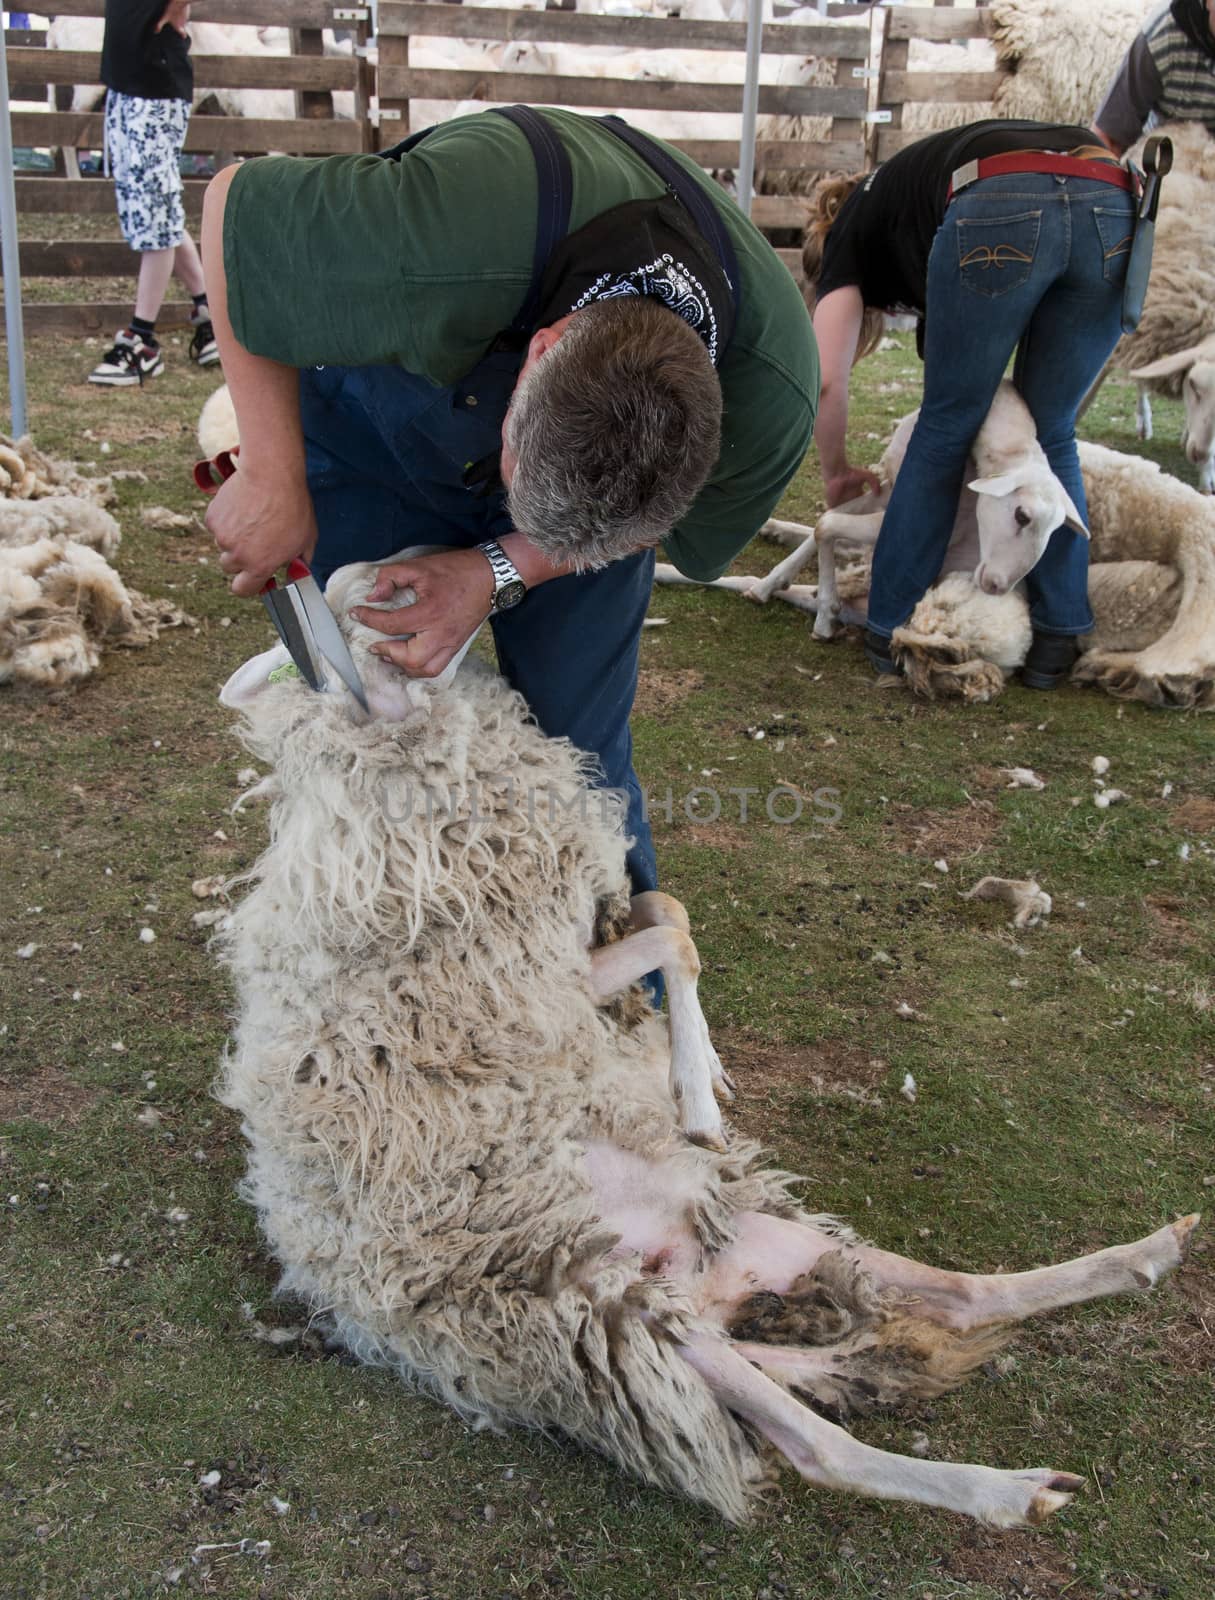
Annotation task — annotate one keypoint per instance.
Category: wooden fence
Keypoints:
(857, 105)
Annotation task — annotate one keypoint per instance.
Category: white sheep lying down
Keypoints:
(464, 1147)
(1151, 577)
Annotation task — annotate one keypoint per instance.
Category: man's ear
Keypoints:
(248, 681)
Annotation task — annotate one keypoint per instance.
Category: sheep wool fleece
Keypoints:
(419, 1065)
(420, 263)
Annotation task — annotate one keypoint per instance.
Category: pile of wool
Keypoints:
(61, 602)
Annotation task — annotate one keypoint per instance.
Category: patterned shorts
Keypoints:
(143, 141)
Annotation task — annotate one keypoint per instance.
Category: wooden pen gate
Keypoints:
(848, 116)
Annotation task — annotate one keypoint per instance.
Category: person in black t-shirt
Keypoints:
(145, 65)
(1029, 260)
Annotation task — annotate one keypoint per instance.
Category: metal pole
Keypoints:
(750, 105)
(13, 323)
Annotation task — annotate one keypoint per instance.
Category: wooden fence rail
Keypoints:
(862, 88)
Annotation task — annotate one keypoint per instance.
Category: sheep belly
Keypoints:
(648, 1203)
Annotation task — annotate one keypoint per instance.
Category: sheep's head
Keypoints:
(392, 696)
(1017, 513)
(1197, 364)
(1198, 392)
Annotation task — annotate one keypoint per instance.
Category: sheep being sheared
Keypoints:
(465, 1152)
(1151, 582)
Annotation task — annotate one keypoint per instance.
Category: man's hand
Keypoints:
(455, 590)
(850, 483)
(260, 522)
(175, 15)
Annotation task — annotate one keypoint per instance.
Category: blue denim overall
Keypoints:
(388, 453)
(1032, 262)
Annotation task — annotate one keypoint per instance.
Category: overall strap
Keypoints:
(690, 194)
(555, 191)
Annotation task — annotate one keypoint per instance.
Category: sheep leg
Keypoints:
(771, 1253)
(783, 574)
(860, 527)
(695, 1068)
(831, 1458)
(1143, 412)
(1206, 475)
(790, 534)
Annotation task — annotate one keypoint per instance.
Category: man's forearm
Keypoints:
(265, 393)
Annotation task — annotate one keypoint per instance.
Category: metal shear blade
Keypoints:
(310, 631)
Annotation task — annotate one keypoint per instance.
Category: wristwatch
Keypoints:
(509, 587)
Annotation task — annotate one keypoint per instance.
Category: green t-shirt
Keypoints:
(358, 261)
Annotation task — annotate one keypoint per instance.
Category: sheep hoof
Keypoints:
(707, 1139)
(1063, 1489)
(1183, 1230)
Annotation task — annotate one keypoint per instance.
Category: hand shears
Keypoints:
(298, 609)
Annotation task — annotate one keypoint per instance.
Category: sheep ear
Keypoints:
(1004, 484)
(248, 681)
(1073, 519)
(1179, 361)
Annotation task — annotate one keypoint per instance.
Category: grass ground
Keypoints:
(1064, 1100)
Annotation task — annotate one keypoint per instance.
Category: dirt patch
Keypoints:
(1188, 1340)
(659, 691)
(1172, 926)
(954, 834)
(51, 1096)
(1195, 815)
(1007, 1563)
(770, 1078)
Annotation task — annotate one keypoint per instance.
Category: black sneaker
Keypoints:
(128, 363)
(203, 348)
(877, 654)
(1049, 660)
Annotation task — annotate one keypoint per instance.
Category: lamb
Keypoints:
(1006, 515)
(1176, 334)
(465, 1152)
(1151, 584)
(1196, 367)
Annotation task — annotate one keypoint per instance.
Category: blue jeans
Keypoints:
(1032, 260)
(387, 456)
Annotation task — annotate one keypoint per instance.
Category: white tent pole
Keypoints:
(750, 105)
(13, 324)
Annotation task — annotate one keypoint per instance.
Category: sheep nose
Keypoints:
(988, 584)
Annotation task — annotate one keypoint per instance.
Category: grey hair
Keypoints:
(614, 431)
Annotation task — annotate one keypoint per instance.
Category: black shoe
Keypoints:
(129, 362)
(203, 348)
(1050, 660)
(877, 654)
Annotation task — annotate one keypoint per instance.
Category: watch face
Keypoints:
(509, 595)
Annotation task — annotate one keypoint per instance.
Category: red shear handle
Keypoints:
(210, 475)
(296, 569)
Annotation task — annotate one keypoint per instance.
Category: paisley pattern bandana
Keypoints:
(645, 248)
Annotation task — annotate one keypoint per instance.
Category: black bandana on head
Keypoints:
(647, 248)
(1192, 18)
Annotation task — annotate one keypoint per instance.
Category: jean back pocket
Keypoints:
(1116, 231)
(996, 254)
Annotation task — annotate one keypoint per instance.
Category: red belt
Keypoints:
(1040, 161)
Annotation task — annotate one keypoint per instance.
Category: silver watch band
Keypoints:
(504, 569)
